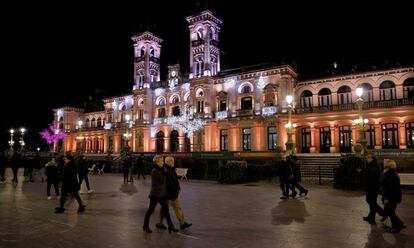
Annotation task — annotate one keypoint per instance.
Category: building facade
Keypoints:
(244, 109)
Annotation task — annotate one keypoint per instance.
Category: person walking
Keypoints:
(391, 195)
(140, 164)
(52, 177)
(14, 160)
(158, 195)
(371, 179)
(285, 175)
(296, 179)
(70, 184)
(83, 172)
(3, 165)
(172, 192)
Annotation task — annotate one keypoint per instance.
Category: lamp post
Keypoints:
(128, 134)
(11, 141)
(80, 137)
(361, 122)
(290, 145)
(22, 144)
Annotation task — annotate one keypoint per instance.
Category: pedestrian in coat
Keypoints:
(391, 195)
(285, 175)
(140, 164)
(297, 178)
(14, 160)
(158, 195)
(70, 184)
(3, 165)
(371, 179)
(52, 177)
(172, 191)
(83, 171)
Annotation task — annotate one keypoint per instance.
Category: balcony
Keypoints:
(154, 59)
(269, 111)
(159, 121)
(221, 115)
(244, 112)
(214, 43)
(353, 106)
(139, 59)
(195, 43)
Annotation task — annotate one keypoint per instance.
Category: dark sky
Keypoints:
(56, 54)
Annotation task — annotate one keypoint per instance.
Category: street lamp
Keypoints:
(22, 130)
(11, 142)
(80, 137)
(361, 122)
(127, 135)
(290, 145)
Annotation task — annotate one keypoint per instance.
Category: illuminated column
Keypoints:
(333, 143)
(378, 136)
(399, 91)
(355, 136)
(313, 141)
(117, 143)
(376, 94)
(106, 141)
(207, 138)
(234, 139)
(133, 141)
(402, 135)
(334, 98)
(167, 141)
(181, 142)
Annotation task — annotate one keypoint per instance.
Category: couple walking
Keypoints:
(290, 177)
(165, 189)
(389, 188)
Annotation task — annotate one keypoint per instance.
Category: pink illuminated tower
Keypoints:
(147, 50)
(204, 39)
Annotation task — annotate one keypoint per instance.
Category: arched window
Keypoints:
(87, 123)
(200, 93)
(246, 89)
(306, 99)
(174, 143)
(142, 52)
(408, 86)
(387, 91)
(368, 94)
(324, 97)
(176, 111)
(160, 142)
(152, 52)
(99, 123)
(246, 103)
(344, 95)
(212, 34)
(161, 101)
(93, 123)
(200, 34)
(175, 100)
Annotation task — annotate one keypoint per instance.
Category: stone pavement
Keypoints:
(244, 215)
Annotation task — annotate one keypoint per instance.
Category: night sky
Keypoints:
(54, 55)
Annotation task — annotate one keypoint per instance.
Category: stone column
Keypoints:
(333, 140)
(378, 136)
(402, 135)
(313, 141)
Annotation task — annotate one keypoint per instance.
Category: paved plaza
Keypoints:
(243, 215)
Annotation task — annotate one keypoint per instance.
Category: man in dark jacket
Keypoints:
(158, 195)
(297, 178)
(52, 177)
(371, 178)
(391, 193)
(83, 171)
(70, 184)
(285, 174)
(14, 160)
(3, 164)
(140, 164)
(172, 191)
